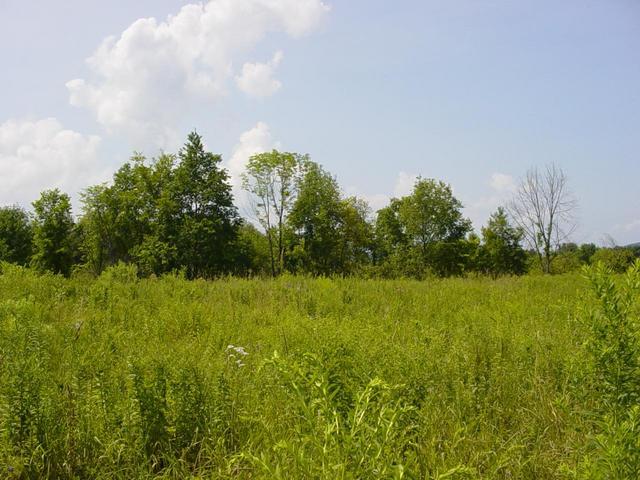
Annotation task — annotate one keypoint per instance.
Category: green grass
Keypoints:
(344, 378)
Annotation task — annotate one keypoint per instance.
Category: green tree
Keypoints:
(501, 250)
(206, 220)
(616, 259)
(132, 220)
(332, 233)
(586, 251)
(155, 252)
(53, 232)
(99, 243)
(162, 215)
(423, 231)
(16, 235)
(355, 234)
(389, 232)
(252, 252)
(315, 217)
(432, 214)
(273, 178)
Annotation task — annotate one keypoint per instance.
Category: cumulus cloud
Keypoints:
(41, 154)
(257, 79)
(147, 77)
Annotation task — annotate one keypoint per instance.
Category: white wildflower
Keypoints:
(238, 350)
(232, 351)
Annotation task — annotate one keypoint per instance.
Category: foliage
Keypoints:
(586, 252)
(424, 230)
(617, 259)
(16, 235)
(338, 433)
(614, 347)
(501, 250)
(175, 213)
(252, 252)
(206, 220)
(389, 232)
(53, 228)
(432, 214)
(273, 180)
(122, 377)
(331, 234)
(131, 220)
(171, 213)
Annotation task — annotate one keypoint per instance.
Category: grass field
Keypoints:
(297, 378)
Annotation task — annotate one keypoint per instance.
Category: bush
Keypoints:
(616, 259)
(614, 347)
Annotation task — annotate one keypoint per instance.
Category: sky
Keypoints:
(471, 92)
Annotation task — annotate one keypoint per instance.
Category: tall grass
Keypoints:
(343, 378)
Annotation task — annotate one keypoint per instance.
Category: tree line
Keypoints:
(176, 213)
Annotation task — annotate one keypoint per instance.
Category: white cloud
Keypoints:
(502, 187)
(376, 201)
(256, 140)
(257, 79)
(404, 184)
(41, 154)
(144, 80)
(478, 211)
(502, 182)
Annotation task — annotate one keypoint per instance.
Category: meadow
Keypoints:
(294, 377)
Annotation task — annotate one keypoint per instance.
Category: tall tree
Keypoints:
(16, 235)
(273, 178)
(423, 233)
(501, 250)
(332, 233)
(207, 221)
(544, 209)
(132, 219)
(355, 233)
(53, 232)
(432, 214)
(390, 234)
(315, 217)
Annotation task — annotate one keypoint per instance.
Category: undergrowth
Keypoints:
(120, 378)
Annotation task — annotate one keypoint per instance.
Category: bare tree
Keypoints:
(544, 208)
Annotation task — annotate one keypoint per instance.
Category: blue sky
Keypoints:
(471, 92)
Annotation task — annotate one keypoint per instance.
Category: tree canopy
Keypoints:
(176, 213)
(16, 235)
(53, 240)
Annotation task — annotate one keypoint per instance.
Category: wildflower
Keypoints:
(238, 350)
(232, 351)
